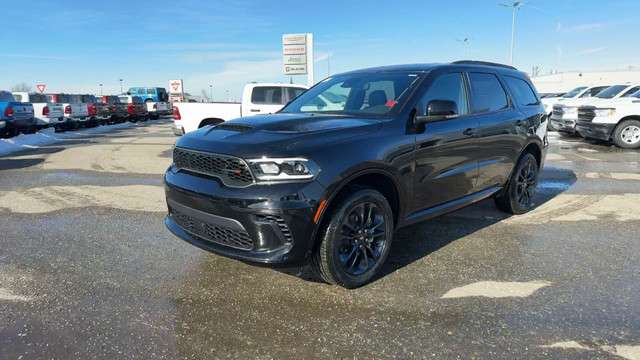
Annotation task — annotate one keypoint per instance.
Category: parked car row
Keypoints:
(28, 112)
(610, 113)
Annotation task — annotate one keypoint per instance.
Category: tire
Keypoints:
(517, 197)
(627, 134)
(347, 261)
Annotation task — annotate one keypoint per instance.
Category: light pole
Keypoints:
(100, 89)
(515, 6)
(211, 93)
(120, 86)
(464, 42)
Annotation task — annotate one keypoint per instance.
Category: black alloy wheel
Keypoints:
(355, 238)
(517, 197)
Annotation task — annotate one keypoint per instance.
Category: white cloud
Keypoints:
(580, 28)
(589, 51)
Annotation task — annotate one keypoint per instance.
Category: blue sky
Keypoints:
(73, 46)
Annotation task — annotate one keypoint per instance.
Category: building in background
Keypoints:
(563, 82)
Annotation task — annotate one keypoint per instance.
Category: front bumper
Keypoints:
(595, 130)
(178, 130)
(564, 124)
(269, 224)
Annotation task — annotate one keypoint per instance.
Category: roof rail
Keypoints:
(486, 63)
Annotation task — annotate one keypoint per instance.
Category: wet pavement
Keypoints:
(88, 270)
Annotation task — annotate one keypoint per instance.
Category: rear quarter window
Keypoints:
(140, 92)
(522, 92)
(488, 93)
(17, 97)
(267, 95)
(151, 91)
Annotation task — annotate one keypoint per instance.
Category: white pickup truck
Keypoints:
(617, 120)
(157, 109)
(46, 113)
(577, 93)
(256, 99)
(565, 115)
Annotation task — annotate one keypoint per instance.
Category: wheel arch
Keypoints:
(376, 178)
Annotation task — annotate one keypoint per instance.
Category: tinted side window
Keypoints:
(593, 91)
(522, 92)
(629, 92)
(294, 92)
(140, 91)
(151, 91)
(488, 93)
(449, 87)
(267, 95)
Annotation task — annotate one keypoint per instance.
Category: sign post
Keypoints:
(41, 87)
(176, 91)
(297, 50)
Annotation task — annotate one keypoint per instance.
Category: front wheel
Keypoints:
(356, 240)
(627, 134)
(517, 198)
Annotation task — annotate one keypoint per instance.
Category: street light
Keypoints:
(120, 86)
(100, 89)
(515, 6)
(211, 93)
(464, 42)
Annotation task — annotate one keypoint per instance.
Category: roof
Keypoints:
(430, 66)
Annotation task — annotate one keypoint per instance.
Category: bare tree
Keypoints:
(23, 86)
(206, 96)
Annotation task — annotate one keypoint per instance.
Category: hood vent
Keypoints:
(234, 127)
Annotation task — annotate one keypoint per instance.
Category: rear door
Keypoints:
(446, 165)
(266, 100)
(503, 127)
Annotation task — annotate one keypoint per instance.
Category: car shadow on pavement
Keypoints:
(417, 241)
(14, 164)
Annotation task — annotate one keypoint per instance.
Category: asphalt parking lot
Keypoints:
(88, 269)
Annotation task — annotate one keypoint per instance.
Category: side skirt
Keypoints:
(450, 206)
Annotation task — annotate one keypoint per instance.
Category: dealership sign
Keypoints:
(176, 93)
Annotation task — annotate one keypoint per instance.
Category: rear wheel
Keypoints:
(627, 134)
(356, 240)
(517, 198)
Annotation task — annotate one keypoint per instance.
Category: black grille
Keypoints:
(234, 127)
(557, 111)
(231, 170)
(213, 233)
(586, 113)
(278, 220)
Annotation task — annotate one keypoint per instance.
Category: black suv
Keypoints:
(330, 177)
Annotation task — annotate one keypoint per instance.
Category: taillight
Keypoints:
(92, 109)
(67, 109)
(113, 108)
(45, 111)
(132, 109)
(8, 112)
(176, 113)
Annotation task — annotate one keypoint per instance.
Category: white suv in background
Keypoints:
(565, 114)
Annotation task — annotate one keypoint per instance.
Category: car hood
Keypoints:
(582, 101)
(277, 135)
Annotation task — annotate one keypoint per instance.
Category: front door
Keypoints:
(446, 165)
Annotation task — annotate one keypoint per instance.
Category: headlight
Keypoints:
(605, 112)
(268, 169)
(570, 109)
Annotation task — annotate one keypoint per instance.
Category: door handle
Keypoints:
(470, 132)
(255, 110)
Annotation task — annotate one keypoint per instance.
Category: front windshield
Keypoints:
(611, 92)
(365, 94)
(573, 93)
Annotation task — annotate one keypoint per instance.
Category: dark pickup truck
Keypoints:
(15, 117)
(331, 185)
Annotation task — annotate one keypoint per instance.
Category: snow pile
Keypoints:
(49, 136)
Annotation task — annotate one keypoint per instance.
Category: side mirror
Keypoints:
(439, 110)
